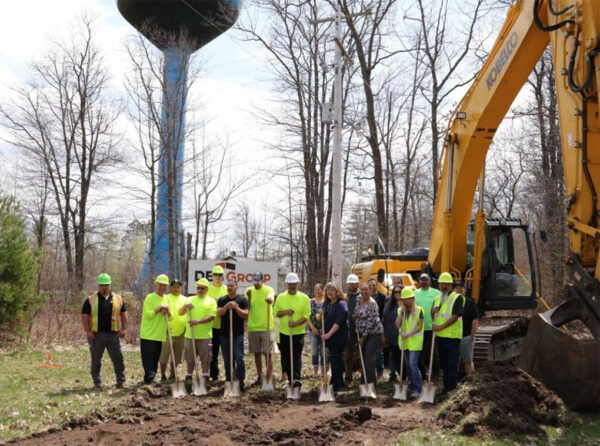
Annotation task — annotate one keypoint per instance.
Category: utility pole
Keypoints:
(336, 162)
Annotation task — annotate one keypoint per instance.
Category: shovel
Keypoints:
(267, 381)
(291, 392)
(325, 390)
(198, 386)
(367, 390)
(232, 387)
(178, 387)
(401, 389)
(428, 391)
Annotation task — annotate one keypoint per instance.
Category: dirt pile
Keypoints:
(501, 399)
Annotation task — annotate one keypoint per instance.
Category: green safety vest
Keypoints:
(115, 318)
(413, 343)
(444, 313)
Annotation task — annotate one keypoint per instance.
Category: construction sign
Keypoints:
(240, 269)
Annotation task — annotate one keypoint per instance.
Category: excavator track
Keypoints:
(499, 339)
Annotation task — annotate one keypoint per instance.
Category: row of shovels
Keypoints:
(232, 387)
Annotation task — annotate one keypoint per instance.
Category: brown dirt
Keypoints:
(151, 417)
(501, 399)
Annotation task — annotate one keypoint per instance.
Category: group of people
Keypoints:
(407, 320)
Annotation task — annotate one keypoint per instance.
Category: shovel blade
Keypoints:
(199, 388)
(400, 392)
(267, 384)
(326, 393)
(292, 393)
(232, 389)
(178, 390)
(427, 394)
(367, 391)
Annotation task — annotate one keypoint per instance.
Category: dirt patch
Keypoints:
(151, 417)
(501, 399)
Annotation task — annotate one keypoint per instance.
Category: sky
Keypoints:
(231, 85)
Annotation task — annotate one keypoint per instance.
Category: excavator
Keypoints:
(484, 252)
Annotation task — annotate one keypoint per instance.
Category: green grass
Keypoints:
(36, 398)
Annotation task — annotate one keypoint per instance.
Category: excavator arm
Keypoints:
(568, 366)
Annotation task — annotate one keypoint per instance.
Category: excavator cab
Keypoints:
(507, 282)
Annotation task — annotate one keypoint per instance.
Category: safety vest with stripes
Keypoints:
(445, 313)
(415, 342)
(115, 317)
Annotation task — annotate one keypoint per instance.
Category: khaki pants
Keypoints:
(165, 353)
(203, 352)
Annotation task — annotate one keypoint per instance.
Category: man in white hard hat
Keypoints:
(293, 309)
(353, 296)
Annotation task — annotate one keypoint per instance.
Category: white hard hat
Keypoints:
(292, 278)
(352, 278)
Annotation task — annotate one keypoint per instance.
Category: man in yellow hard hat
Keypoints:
(425, 297)
(104, 319)
(201, 311)
(447, 326)
(215, 291)
(177, 325)
(153, 327)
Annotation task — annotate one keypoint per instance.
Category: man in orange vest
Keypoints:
(104, 319)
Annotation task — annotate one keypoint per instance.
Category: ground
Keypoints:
(57, 406)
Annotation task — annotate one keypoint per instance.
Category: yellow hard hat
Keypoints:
(407, 293)
(162, 279)
(203, 282)
(445, 278)
(218, 269)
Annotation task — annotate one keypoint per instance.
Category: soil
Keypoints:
(152, 417)
(500, 399)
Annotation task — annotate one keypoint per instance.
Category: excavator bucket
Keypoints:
(570, 367)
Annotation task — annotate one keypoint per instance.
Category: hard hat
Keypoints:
(352, 278)
(104, 279)
(407, 293)
(218, 269)
(292, 278)
(162, 279)
(203, 282)
(257, 277)
(445, 278)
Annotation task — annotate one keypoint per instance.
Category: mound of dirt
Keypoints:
(501, 399)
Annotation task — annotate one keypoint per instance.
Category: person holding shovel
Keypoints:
(260, 296)
(370, 332)
(293, 309)
(216, 290)
(335, 323)
(177, 325)
(104, 319)
(314, 326)
(153, 327)
(233, 309)
(410, 321)
(447, 325)
(201, 310)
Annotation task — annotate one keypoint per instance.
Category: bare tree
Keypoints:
(64, 123)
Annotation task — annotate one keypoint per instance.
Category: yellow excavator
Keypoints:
(485, 252)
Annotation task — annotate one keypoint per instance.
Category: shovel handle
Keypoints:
(402, 349)
(193, 344)
(362, 361)
(172, 351)
(431, 356)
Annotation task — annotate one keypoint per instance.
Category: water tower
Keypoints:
(168, 23)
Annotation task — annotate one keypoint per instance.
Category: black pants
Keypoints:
(337, 365)
(214, 362)
(395, 355)
(150, 356)
(298, 346)
(107, 341)
(425, 356)
(448, 349)
(349, 357)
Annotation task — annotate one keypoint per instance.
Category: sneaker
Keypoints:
(415, 394)
(257, 383)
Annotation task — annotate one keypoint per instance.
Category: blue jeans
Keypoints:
(316, 347)
(411, 360)
(238, 357)
(448, 351)
(337, 365)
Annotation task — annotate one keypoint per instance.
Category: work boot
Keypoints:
(121, 385)
(257, 383)
(163, 379)
(98, 386)
(242, 386)
(297, 383)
